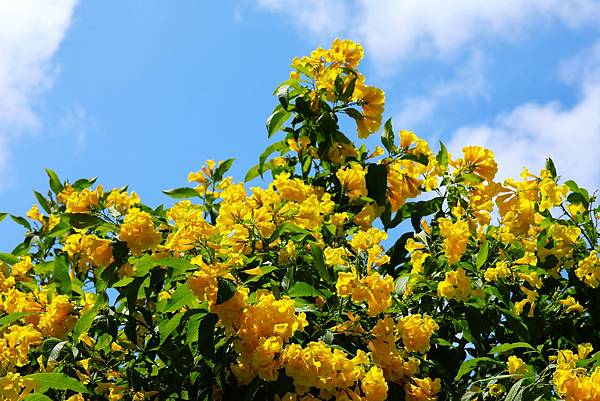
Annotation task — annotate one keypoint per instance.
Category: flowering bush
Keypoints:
(293, 290)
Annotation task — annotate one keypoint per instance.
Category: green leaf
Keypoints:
(43, 201)
(37, 397)
(319, 261)
(276, 120)
(387, 136)
(192, 328)
(585, 362)
(3, 216)
(572, 185)
(283, 95)
(61, 275)
(221, 169)
(442, 156)
(23, 248)
(515, 393)
(402, 283)
(469, 179)
(279, 146)
(8, 258)
(55, 185)
(377, 183)
(83, 183)
(21, 221)
(579, 197)
(225, 290)
(470, 364)
(355, 114)
(57, 381)
(55, 353)
(498, 349)
(13, 317)
(182, 296)
(206, 335)
(85, 322)
(181, 193)
(167, 326)
(550, 167)
(83, 220)
(302, 289)
(180, 265)
(287, 228)
(252, 173)
(349, 88)
(482, 255)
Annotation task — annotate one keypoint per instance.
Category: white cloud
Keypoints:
(30, 34)
(528, 134)
(319, 17)
(469, 82)
(75, 123)
(396, 30)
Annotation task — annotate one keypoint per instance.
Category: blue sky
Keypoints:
(142, 92)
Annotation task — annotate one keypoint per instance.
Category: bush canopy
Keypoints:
(346, 273)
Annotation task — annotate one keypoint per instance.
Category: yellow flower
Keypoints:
(403, 180)
(79, 201)
(139, 232)
(363, 240)
(346, 283)
(21, 268)
(496, 390)
(476, 160)
(121, 201)
(584, 349)
(588, 270)
(58, 320)
(417, 258)
(422, 389)
(372, 100)
(326, 369)
(532, 278)
(457, 285)
(376, 291)
(364, 219)
(34, 214)
(416, 332)
(335, 256)
(352, 180)
(412, 245)
(516, 366)
(551, 194)
(575, 208)
(91, 249)
(571, 304)
(346, 52)
(374, 385)
(456, 238)
(495, 273)
(87, 340)
(53, 221)
(532, 297)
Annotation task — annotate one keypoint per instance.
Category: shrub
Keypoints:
(293, 290)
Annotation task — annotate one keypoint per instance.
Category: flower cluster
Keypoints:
(348, 274)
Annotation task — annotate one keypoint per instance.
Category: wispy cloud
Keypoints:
(317, 16)
(75, 123)
(30, 34)
(530, 132)
(394, 30)
(469, 82)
